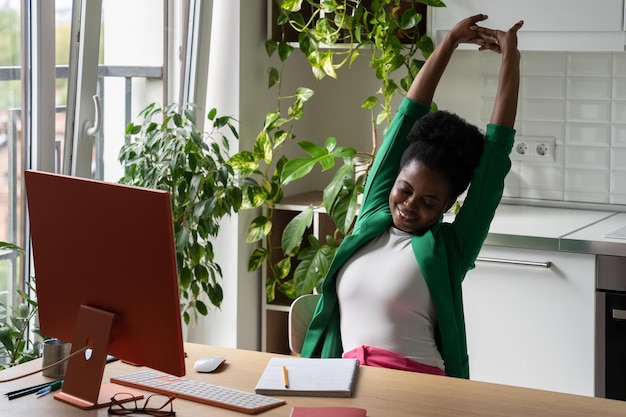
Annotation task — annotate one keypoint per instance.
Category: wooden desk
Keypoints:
(383, 392)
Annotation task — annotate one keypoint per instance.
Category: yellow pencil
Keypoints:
(285, 378)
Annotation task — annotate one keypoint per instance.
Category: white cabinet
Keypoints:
(555, 25)
(529, 325)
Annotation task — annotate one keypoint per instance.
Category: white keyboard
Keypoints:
(202, 392)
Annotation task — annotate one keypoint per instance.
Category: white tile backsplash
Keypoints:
(618, 135)
(537, 194)
(619, 112)
(589, 88)
(617, 198)
(489, 85)
(586, 197)
(544, 63)
(618, 183)
(590, 64)
(588, 111)
(542, 109)
(486, 108)
(619, 88)
(580, 179)
(541, 176)
(587, 157)
(580, 100)
(618, 160)
(543, 87)
(491, 64)
(588, 134)
(553, 129)
(619, 64)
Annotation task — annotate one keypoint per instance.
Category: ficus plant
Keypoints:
(386, 33)
(167, 151)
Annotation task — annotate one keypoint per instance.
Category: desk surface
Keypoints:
(383, 392)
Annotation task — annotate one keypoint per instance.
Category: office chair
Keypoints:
(300, 315)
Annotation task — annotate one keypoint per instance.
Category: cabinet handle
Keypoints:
(546, 264)
(619, 314)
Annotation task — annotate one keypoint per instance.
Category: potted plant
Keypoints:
(386, 32)
(15, 344)
(168, 152)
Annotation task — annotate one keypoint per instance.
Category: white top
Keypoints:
(385, 302)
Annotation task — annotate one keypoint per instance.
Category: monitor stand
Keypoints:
(82, 384)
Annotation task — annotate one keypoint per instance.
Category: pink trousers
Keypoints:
(373, 356)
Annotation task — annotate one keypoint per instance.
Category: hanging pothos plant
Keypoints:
(387, 33)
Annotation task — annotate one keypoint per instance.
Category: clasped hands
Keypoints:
(468, 31)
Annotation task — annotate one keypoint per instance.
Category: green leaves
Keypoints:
(433, 3)
(291, 5)
(325, 156)
(259, 228)
(15, 345)
(168, 152)
(292, 235)
(314, 263)
(342, 193)
(10, 246)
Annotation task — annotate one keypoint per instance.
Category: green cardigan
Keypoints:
(445, 253)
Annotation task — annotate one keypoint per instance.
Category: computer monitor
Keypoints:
(106, 277)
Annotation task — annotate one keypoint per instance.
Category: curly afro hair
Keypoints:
(447, 144)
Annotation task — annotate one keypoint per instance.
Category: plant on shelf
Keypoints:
(16, 345)
(168, 152)
(386, 32)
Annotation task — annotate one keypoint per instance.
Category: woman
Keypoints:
(392, 296)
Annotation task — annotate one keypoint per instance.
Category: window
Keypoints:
(127, 53)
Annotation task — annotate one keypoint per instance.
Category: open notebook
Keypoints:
(333, 377)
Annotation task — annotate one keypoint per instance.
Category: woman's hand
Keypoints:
(498, 40)
(466, 31)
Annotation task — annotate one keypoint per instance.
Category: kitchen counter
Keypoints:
(559, 229)
(594, 239)
(538, 227)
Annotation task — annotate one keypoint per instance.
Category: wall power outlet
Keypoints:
(534, 148)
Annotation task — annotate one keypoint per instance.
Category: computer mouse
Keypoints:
(208, 363)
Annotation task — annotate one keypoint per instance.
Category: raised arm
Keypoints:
(471, 224)
(505, 106)
(425, 83)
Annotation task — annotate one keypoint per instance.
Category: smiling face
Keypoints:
(418, 199)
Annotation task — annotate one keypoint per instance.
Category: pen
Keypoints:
(285, 378)
(52, 387)
(45, 384)
(29, 390)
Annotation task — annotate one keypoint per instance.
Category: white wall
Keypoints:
(237, 87)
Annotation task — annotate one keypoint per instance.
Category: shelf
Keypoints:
(301, 201)
(275, 315)
(278, 307)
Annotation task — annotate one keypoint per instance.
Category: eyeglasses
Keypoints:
(155, 405)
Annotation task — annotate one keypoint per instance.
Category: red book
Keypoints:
(328, 412)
